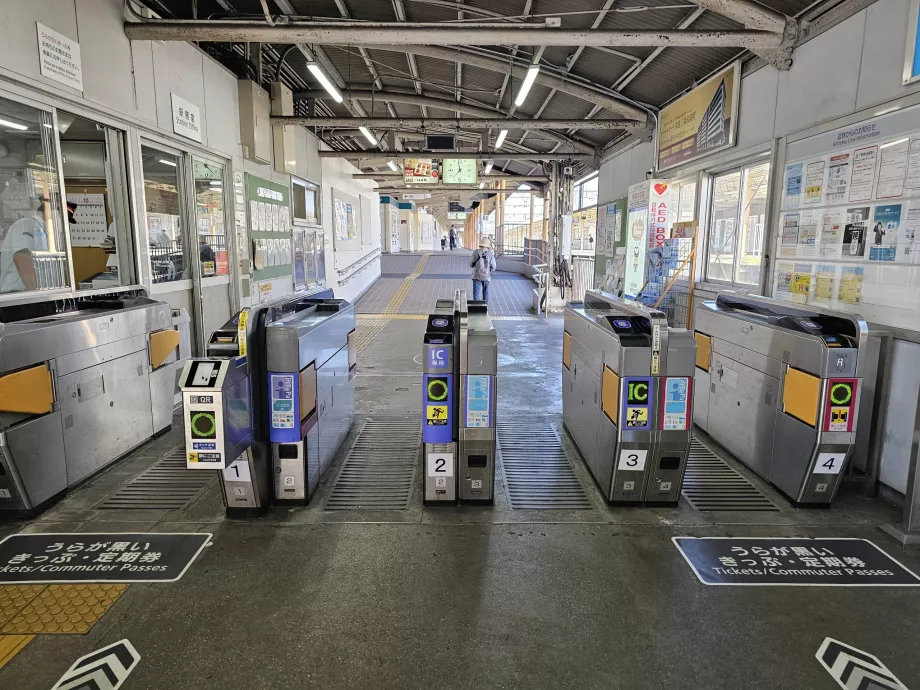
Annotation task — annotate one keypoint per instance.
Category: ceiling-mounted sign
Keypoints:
(455, 211)
(59, 57)
(416, 195)
(421, 171)
(186, 118)
(460, 171)
(701, 122)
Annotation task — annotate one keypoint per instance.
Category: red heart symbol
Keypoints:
(660, 188)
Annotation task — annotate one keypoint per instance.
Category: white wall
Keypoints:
(855, 65)
(337, 173)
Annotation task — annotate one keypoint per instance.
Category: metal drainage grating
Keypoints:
(165, 485)
(379, 472)
(538, 474)
(711, 485)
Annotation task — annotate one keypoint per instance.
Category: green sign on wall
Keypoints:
(269, 208)
(611, 219)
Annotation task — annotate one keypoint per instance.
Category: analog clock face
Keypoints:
(460, 171)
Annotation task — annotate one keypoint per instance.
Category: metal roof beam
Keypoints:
(479, 156)
(400, 11)
(482, 178)
(747, 13)
(450, 123)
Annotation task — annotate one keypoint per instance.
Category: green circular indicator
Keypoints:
(437, 390)
(841, 393)
(203, 424)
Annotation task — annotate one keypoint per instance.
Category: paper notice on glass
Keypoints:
(854, 232)
(814, 182)
(913, 166)
(862, 179)
(825, 277)
(884, 235)
(809, 221)
(909, 239)
(892, 169)
(790, 237)
(783, 280)
(800, 285)
(618, 227)
(832, 233)
(792, 185)
(838, 178)
(851, 284)
(254, 216)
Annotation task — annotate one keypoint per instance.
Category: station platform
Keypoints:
(366, 587)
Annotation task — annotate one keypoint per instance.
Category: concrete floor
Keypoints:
(472, 597)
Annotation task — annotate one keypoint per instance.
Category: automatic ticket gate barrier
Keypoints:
(460, 362)
(231, 409)
(780, 386)
(627, 384)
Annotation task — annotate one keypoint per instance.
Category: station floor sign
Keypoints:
(803, 562)
(98, 557)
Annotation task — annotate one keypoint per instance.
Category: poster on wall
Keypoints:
(271, 241)
(854, 232)
(892, 169)
(792, 185)
(637, 219)
(420, 171)
(59, 57)
(659, 209)
(701, 122)
(862, 180)
(838, 178)
(884, 237)
(814, 182)
(91, 228)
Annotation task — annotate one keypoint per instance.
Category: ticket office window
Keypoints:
(33, 216)
(213, 251)
(101, 241)
(165, 222)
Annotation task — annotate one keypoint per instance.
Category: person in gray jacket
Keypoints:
(483, 265)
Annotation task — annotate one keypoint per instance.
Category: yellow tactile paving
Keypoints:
(13, 598)
(11, 645)
(378, 322)
(64, 609)
(389, 317)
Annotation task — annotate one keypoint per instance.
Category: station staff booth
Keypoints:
(627, 382)
(783, 388)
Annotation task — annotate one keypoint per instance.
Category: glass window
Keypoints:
(584, 195)
(209, 205)
(162, 200)
(33, 253)
(305, 198)
(736, 225)
(584, 231)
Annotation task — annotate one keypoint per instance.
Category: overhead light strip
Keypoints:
(532, 73)
(367, 135)
(317, 72)
(501, 138)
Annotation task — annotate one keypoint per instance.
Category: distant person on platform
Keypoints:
(443, 242)
(453, 239)
(483, 265)
(25, 236)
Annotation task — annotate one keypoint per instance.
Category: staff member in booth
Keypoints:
(26, 235)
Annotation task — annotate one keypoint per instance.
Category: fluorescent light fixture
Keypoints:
(166, 162)
(216, 183)
(482, 184)
(501, 138)
(324, 80)
(524, 187)
(393, 166)
(488, 168)
(13, 125)
(532, 73)
(893, 143)
(367, 135)
(585, 178)
(45, 124)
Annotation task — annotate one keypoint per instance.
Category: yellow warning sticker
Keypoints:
(637, 416)
(839, 419)
(436, 415)
(241, 331)
(193, 457)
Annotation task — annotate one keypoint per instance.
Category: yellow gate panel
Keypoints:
(703, 350)
(27, 392)
(610, 395)
(162, 345)
(801, 393)
(567, 349)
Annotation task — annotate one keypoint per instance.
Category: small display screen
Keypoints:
(203, 374)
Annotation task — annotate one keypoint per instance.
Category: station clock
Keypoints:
(460, 171)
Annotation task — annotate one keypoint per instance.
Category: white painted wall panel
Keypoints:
(106, 55)
(622, 173)
(757, 112)
(19, 37)
(177, 68)
(902, 408)
(883, 54)
(605, 182)
(221, 109)
(643, 158)
(822, 82)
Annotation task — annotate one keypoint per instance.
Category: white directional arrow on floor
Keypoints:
(854, 669)
(103, 669)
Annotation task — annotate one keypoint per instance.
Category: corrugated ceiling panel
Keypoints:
(534, 100)
(602, 67)
(566, 106)
(675, 70)
(481, 84)
(438, 76)
(665, 16)
(575, 14)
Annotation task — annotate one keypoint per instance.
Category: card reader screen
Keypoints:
(203, 374)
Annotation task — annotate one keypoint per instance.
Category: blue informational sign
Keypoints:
(437, 410)
(637, 403)
(284, 394)
(794, 179)
(676, 404)
(478, 401)
(622, 323)
(438, 357)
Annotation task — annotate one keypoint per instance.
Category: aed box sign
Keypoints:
(637, 412)
(804, 562)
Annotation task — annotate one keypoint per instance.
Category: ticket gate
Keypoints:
(627, 383)
(780, 387)
(459, 363)
(226, 410)
(311, 363)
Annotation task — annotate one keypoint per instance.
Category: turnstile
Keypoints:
(459, 363)
(627, 382)
(779, 386)
(84, 379)
(236, 407)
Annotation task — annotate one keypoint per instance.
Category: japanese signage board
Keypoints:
(420, 171)
(455, 211)
(701, 122)
(98, 557)
(186, 118)
(59, 58)
(805, 562)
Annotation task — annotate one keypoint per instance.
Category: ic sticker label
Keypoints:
(839, 409)
(637, 394)
(436, 404)
(438, 358)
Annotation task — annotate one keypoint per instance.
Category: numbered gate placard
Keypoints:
(440, 465)
(632, 459)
